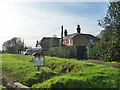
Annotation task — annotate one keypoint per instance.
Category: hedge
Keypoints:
(104, 51)
(79, 52)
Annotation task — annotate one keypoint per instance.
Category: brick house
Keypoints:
(44, 43)
(78, 38)
(68, 40)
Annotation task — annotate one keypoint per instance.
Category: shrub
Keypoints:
(104, 51)
(79, 52)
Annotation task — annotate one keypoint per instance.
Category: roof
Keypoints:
(45, 42)
(69, 36)
(45, 39)
(87, 36)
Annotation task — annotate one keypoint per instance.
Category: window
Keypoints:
(91, 41)
(69, 41)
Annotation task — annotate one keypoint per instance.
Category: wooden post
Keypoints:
(38, 68)
(62, 35)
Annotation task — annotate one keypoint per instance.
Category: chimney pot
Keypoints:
(37, 41)
(78, 28)
(65, 32)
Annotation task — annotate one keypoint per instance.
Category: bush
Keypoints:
(79, 52)
(104, 51)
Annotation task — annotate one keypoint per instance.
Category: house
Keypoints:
(44, 43)
(79, 38)
(68, 40)
(101, 34)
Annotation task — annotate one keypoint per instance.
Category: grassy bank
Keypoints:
(59, 73)
(2, 87)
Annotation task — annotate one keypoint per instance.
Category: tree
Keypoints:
(111, 36)
(13, 45)
(111, 22)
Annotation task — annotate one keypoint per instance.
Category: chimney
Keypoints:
(78, 28)
(37, 41)
(65, 32)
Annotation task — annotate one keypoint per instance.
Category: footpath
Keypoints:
(108, 64)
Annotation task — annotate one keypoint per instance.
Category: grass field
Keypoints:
(59, 73)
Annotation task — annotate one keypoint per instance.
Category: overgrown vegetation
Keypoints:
(108, 49)
(104, 51)
(79, 52)
(111, 22)
(59, 73)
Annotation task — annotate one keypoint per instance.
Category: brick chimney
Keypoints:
(78, 28)
(65, 32)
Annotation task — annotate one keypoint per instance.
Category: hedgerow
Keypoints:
(79, 52)
(104, 51)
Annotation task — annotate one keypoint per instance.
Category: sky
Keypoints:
(32, 21)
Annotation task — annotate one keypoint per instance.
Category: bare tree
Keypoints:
(13, 45)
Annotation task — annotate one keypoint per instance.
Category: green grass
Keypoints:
(59, 73)
(16, 66)
(2, 87)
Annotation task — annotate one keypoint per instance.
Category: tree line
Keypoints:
(14, 45)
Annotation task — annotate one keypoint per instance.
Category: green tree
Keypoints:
(111, 22)
(111, 36)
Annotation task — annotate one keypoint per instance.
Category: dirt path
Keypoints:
(108, 64)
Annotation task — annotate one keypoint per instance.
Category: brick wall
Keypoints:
(80, 40)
